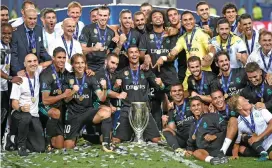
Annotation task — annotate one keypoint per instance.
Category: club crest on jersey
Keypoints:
(238, 80)
(269, 92)
(133, 41)
(167, 41)
(193, 82)
(256, 114)
(126, 73)
(205, 125)
(95, 31)
(142, 76)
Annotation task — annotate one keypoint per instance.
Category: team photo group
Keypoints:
(200, 85)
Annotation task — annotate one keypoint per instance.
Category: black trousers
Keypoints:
(28, 131)
(4, 111)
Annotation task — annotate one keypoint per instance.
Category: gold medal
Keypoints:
(254, 134)
(59, 91)
(193, 82)
(81, 98)
(69, 60)
(33, 99)
(194, 137)
(71, 81)
(7, 67)
(262, 99)
(226, 95)
(33, 50)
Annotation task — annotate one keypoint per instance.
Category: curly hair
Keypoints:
(149, 19)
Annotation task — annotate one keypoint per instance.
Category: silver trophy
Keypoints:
(138, 118)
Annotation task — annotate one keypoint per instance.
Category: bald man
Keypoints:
(26, 130)
(25, 40)
(67, 42)
(25, 5)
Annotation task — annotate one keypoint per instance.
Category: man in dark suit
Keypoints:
(27, 39)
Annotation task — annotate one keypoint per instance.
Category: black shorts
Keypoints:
(53, 130)
(182, 139)
(124, 132)
(74, 122)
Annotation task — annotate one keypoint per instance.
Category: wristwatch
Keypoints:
(9, 78)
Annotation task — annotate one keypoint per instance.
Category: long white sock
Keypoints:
(226, 145)
(208, 159)
(12, 138)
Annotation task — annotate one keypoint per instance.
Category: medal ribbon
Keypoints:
(30, 84)
(225, 86)
(197, 125)
(181, 31)
(158, 40)
(135, 77)
(201, 23)
(81, 86)
(252, 43)
(234, 27)
(127, 43)
(102, 39)
(108, 79)
(32, 40)
(75, 35)
(7, 57)
(269, 62)
(200, 88)
(252, 125)
(260, 94)
(181, 111)
(189, 45)
(66, 47)
(57, 77)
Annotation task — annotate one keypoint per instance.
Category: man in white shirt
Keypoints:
(26, 130)
(254, 128)
(49, 20)
(263, 55)
(67, 42)
(74, 12)
(6, 35)
(231, 43)
(249, 35)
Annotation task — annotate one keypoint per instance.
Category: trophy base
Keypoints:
(138, 139)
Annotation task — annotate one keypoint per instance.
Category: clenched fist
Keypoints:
(103, 83)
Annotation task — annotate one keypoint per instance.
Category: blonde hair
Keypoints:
(233, 102)
(74, 4)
